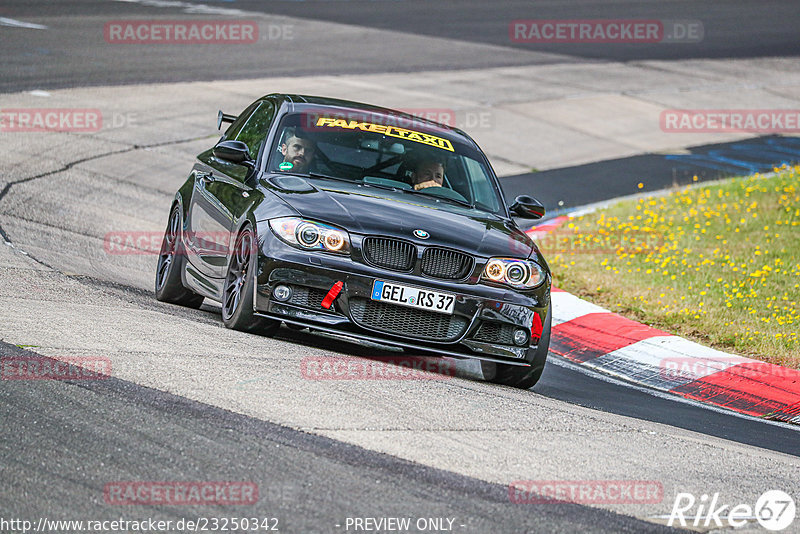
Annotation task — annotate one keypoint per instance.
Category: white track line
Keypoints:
(20, 24)
(190, 8)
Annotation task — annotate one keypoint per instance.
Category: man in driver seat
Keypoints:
(297, 150)
(427, 172)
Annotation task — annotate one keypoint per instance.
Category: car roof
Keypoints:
(306, 102)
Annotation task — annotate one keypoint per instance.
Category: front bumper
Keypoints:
(481, 326)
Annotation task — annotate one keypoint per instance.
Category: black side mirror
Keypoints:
(233, 151)
(527, 207)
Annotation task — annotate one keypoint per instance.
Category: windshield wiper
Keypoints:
(383, 186)
(429, 195)
(329, 177)
(392, 188)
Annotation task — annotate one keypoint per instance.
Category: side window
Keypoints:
(256, 127)
(233, 130)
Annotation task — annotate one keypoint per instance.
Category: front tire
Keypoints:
(237, 292)
(515, 375)
(169, 287)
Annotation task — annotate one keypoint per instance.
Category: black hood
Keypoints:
(368, 210)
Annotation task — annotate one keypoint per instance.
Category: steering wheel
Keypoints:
(444, 192)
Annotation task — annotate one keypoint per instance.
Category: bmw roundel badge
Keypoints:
(422, 234)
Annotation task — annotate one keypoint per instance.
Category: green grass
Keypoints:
(719, 264)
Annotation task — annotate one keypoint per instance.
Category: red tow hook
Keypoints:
(327, 302)
(536, 328)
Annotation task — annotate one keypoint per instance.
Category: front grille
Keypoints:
(389, 253)
(307, 297)
(407, 321)
(444, 263)
(491, 332)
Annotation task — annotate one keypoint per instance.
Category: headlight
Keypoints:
(521, 274)
(310, 235)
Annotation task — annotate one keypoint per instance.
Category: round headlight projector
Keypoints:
(308, 235)
(334, 241)
(516, 273)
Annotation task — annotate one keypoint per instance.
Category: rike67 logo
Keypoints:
(774, 510)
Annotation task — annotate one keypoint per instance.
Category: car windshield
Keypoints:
(386, 152)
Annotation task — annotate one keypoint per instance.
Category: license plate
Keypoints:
(413, 297)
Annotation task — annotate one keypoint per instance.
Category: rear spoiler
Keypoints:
(223, 117)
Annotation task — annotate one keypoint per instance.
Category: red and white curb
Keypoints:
(596, 338)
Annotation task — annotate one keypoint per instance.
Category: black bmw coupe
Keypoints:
(363, 221)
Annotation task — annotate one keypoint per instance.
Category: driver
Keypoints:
(297, 149)
(428, 172)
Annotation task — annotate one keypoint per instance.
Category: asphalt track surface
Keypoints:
(62, 441)
(732, 29)
(76, 434)
(567, 188)
(73, 52)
